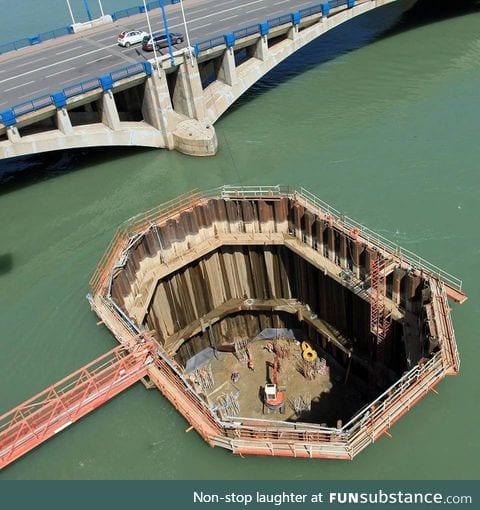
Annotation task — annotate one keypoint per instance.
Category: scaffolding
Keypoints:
(380, 316)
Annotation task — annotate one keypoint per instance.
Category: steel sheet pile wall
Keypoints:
(259, 243)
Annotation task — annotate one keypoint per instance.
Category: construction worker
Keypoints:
(251, 365)
(235, 377)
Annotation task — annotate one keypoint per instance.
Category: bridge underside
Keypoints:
(175, 106)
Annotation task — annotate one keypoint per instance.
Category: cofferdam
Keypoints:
(392, 143)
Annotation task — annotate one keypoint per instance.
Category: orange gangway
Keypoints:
(41, 417)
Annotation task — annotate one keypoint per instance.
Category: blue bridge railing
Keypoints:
(262, 28)
(60, 32)
(58, 99)
(8, 117)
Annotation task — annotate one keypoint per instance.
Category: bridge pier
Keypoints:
(227, 71)
(261, 49)
(13, 134)
(64, 124)
(110, 116)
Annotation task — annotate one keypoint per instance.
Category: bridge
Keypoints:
(69, 92)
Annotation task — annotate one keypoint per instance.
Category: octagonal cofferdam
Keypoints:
(249, 291)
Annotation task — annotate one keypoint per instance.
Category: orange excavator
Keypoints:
(273, 396)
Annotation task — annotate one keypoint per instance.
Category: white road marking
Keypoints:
(231, 17)
(18, 86)
(70, 49)
(203, 26)
(29, 63)
(57, 63)
(105, 38)
(60, 72)
(217, 13)
(257, 9)
(281, 2)
(97, 60)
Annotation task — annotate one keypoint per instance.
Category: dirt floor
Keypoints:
(331, 400)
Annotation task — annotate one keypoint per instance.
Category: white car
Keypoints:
(130, 37)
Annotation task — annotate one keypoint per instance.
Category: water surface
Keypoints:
(387, 132)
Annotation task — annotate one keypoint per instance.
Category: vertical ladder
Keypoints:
(380, 317)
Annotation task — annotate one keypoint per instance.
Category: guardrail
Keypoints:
(8, 117)
(382, 242)
(262, 28)
(35, 39)
(144, 221)
(139, 9)
(58, 99)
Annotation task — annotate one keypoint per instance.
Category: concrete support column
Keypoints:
(12, 134)
(110, 115)
(398, 275)
(228, 72)
(64, 123)
(261, 49)
(293, 33)
(157, 106)
(188, 92)
(331, 243)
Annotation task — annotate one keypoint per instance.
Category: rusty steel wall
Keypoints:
(268, 273)
(262, 272)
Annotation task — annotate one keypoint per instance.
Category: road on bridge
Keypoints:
(53, 65)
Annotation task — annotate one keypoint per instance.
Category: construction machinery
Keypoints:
(273, 395)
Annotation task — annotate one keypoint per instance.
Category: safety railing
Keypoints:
(57, 407)
(77, 89)
(139, 9)
(433, 369)
(381, 242)
(144, 220)
(279, 20)
(310, 11)
(284, 19)
(337, 3)
(246, 31)
(35, 39)
(30, 106)
(66, 30)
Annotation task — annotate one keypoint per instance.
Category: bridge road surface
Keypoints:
(51, 66)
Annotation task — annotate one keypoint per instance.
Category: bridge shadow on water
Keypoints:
(376, 25)
(6, 263)
(17, 173)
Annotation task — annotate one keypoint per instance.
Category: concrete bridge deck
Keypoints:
(171, 104)
(44, 68)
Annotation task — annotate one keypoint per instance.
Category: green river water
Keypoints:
(387, 132)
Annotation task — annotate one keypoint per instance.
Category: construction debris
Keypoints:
(228, 403)
(311, 370)
(301, 403)
(203, 378)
